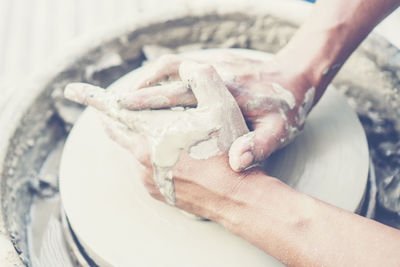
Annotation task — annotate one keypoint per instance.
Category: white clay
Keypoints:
(205, 149)
(284, 95)
(305, 107)
(158, 100)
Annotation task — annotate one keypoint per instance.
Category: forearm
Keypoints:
(295, 228)
(302, 231)
(329, 36)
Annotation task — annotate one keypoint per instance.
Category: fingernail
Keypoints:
(79, 92)
(244, 160)
(70, 92)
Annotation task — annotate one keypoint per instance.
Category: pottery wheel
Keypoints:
(119, 224)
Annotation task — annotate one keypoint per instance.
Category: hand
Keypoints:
(273, 98)
(207, 188)
(203, 132)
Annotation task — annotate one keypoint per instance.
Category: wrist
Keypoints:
(213, 190)
(249, 193)
(333, 31)
(272, 216)
(316, 61)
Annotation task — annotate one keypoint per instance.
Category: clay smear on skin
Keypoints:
(204, 132)
(167, 143)
(285, 101)
(280, 98)
(159, 100)
(305, 107)
(167, 131)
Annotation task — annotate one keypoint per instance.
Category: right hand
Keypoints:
(270, 95)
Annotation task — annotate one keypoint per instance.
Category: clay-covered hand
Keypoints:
(273, 98)
(203, 132)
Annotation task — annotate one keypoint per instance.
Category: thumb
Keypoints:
(269, 134)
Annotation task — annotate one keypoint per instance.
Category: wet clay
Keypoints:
(203, 132)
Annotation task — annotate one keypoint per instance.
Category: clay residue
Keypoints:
(305, 107)
(205, 150)
(284, 95)
(158, 100)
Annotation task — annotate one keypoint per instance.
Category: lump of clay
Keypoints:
(204, 131)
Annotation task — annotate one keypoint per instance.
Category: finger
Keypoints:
(207, 86)
(268, 135)
(133, 142)
(163, 69)
(87, 94)
(165, 96)
(211, 92)
(98, 98)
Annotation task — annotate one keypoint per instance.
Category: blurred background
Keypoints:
(34, 31)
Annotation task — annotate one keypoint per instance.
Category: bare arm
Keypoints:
(293, 227)
(329, 36)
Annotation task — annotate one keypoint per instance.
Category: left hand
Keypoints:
(216, 122)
